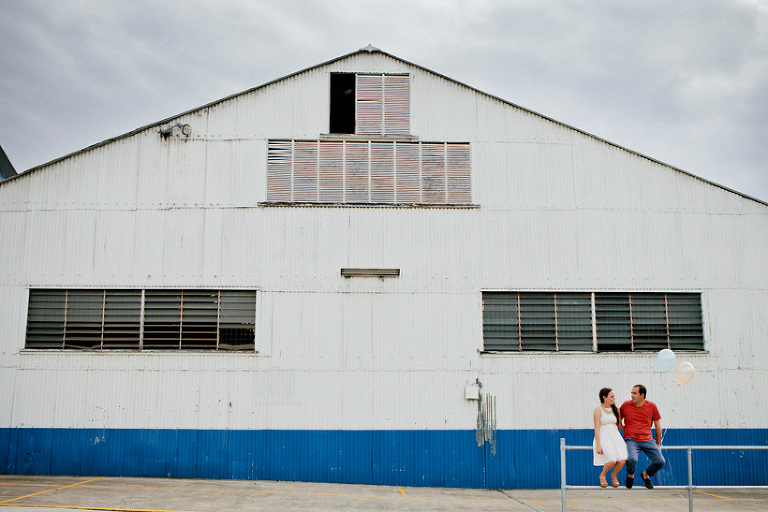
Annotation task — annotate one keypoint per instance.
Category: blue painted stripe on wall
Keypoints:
(523, 459)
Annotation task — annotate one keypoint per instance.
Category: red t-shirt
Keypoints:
(638, 420)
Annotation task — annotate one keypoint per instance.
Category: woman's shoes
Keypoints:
(615, 481)
(603, 482)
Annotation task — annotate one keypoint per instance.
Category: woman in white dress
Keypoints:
(609, 449)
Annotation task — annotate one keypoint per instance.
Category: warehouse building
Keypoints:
(367, 272)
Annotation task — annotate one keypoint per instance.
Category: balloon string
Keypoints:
(670, 406)
(664, 430)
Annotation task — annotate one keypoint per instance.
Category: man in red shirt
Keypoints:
(638, 415)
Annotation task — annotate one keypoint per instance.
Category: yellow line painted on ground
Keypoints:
(51, 490)
(292, 493)
(111, 509)
(277, 491)
(715, 495)
(25, 484)
(7, 503)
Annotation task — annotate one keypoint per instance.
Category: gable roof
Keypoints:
(372, 49)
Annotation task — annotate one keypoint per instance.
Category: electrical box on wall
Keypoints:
(472, 392)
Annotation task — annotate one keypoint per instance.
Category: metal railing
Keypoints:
(689, 449)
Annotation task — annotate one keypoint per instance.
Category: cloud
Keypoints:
(682, 82)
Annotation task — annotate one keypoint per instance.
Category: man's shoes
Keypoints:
(629, 482)
(647, 481)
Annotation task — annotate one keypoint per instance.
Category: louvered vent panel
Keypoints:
(537, 317)
(433, 173)
(236, 319)
(45, 321)
(649, 321)
(500, 321)
(369, 117)
(331, 172)
(84, 319)
(305, 171)
(122, 316)
(685, 320)
(614, 321)
(458, 175)
(387, 172)
(407, 172)
(279, 170)
(162, 319)
(382, 172)
(113, 319)
(397, 105)
(356, 173)
(199, 316)
(574, 321)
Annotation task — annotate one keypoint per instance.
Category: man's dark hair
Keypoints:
(641, 389)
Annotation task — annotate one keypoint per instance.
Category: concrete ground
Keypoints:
(54, 494)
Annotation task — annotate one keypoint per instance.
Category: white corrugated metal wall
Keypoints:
(556, 210)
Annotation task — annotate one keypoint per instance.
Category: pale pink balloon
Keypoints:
(684, 372)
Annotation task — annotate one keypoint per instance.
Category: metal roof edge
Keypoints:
(579, 130)
(371, 49)
(184, 113)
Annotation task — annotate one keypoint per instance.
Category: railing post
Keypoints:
(562, 473)
(690, 480)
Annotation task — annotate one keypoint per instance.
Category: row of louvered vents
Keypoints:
(382, 172)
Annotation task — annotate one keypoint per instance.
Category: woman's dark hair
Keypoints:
(604, 393)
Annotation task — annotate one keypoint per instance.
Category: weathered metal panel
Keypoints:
(368, 374)
(14, 195)
(12, 233)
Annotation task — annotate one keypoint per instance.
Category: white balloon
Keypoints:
(684, 373)
(665, 359)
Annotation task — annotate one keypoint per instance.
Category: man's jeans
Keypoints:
(650, 449)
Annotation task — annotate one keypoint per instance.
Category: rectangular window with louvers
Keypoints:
(537, 321)
(592, 321)
(370, 104)
(373, 172)
(158, 319)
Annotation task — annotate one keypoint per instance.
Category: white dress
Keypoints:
(614, 447)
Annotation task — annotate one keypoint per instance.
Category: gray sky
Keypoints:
(684, 81)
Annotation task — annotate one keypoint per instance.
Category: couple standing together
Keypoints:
(635, 418)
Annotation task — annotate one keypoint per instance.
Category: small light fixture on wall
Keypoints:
(166, 131)
(370, 272)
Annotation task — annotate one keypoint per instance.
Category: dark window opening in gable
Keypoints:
(370, 104)
(342, 103)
